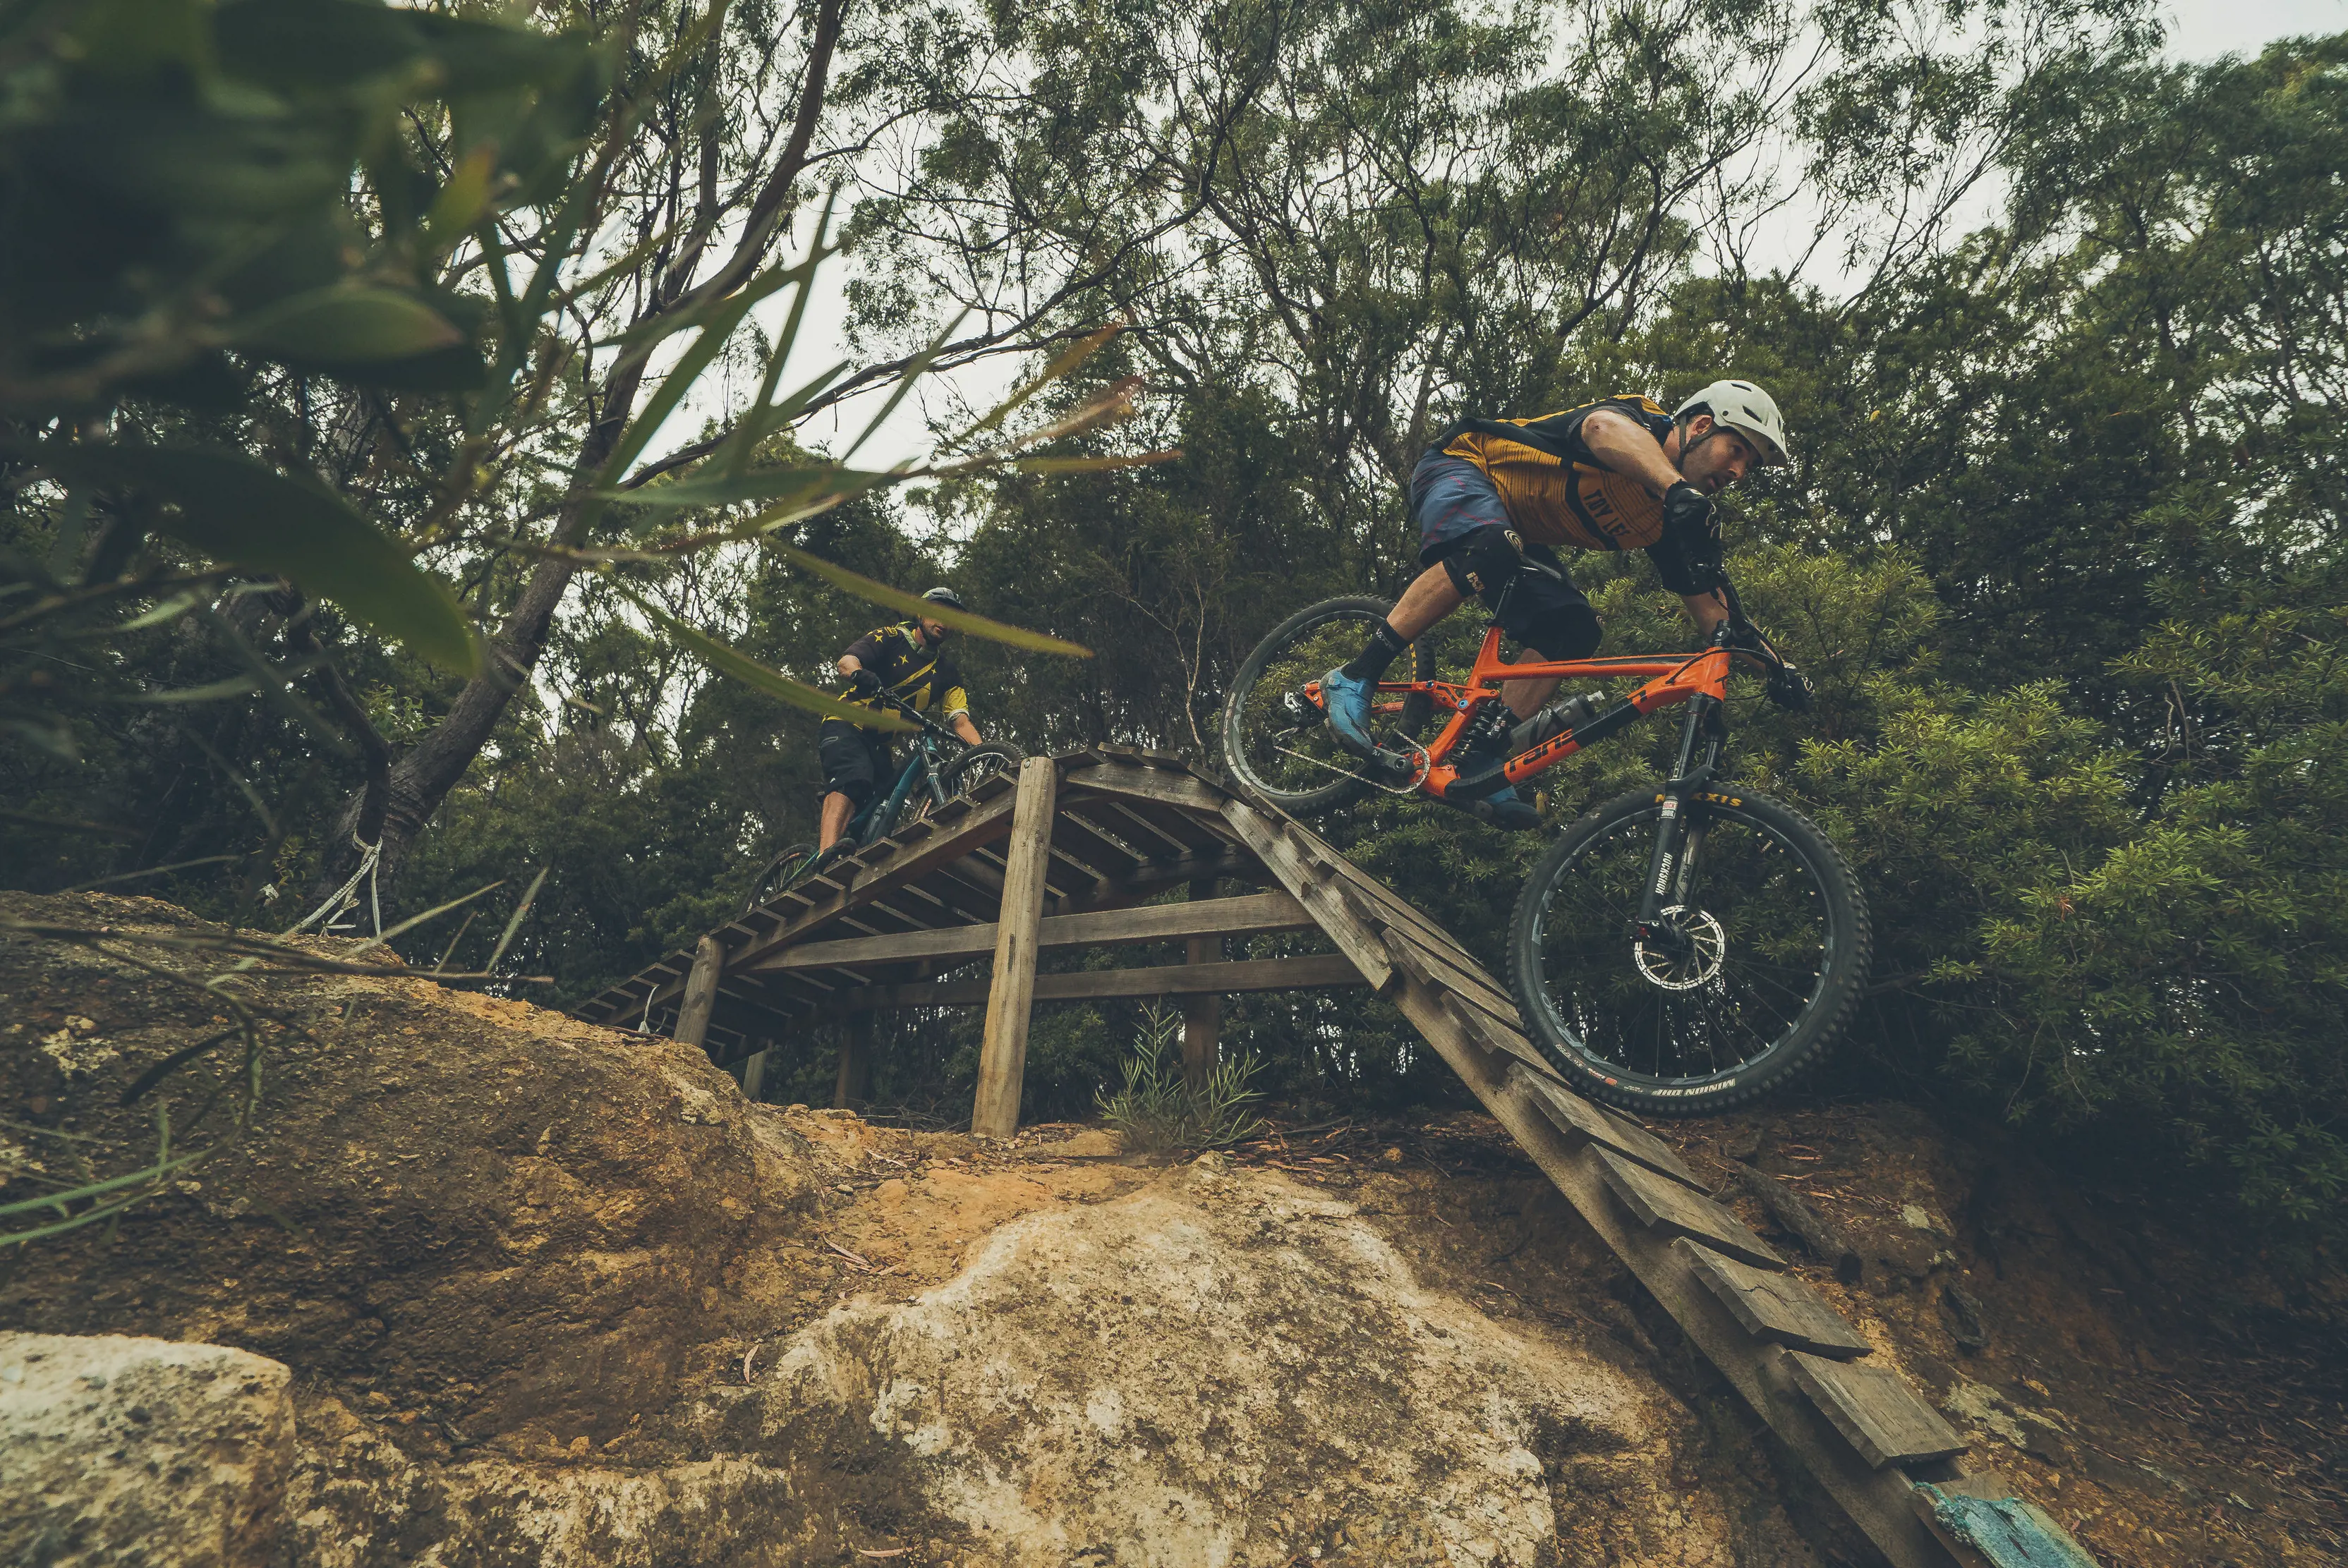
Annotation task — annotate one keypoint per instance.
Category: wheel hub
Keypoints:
(1692, 961)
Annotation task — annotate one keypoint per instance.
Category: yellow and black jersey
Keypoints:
(1556, 491)
(911, 670)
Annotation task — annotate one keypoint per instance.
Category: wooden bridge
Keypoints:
(1066, 856)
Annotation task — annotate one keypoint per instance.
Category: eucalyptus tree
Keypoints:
(339, 304)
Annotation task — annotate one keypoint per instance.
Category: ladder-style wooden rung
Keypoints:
(1583, 1122)
(1874, 1409)
(1669, 1209)
(1774, 1308)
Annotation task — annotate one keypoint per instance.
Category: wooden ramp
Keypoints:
(1066, 854)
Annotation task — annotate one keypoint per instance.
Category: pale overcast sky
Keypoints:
(2198, 30)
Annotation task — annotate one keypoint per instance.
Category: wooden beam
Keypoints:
(1313, 972)
(1003, 1049)
(854, 1081)
(1203, 1013)
(1108, 928)
(700, 991)
(1357, 940)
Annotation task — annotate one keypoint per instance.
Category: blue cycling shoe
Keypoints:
(1503, 807)
(1347, 703)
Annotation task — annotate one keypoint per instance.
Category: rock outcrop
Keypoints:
(119, 1450)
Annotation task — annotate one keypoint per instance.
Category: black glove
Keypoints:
(1688, 516)
(863, 683)
(1790, 689)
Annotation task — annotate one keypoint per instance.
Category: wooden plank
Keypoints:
(1247, 915)
(1985, 1526)
(700, 992)
(1155, 877)
(1132, 781)
(1489, 1032)
(1473, 985)
(1139, 830)
(1315, 971)
(1775, 1308)
(980, 827)
(1355, 940)
(1669, 1209)
(1874, 1409)
(1389, 907)
(1094, 846)
(1203, 1013)
(1876, 1502)
(1002, 1048)
(1581, 1122)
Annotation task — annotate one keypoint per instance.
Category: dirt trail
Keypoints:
(552, 1294)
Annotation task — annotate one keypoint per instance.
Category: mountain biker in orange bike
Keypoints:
(1492, 496)
(904, 660)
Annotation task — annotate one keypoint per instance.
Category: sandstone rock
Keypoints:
(122, 1450)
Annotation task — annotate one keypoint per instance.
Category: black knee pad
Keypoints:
(1485, 564)
(1570, 632)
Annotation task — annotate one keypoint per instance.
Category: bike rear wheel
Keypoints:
(1774, 949)
(1276, 743)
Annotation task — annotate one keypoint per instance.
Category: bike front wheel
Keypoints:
(1276, 743)
(779, 874)
(1766, 968)
(967, 770)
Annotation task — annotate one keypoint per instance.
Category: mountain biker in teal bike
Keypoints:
(1492, 498)
(906, 662)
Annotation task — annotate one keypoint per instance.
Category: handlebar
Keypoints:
(1788, 687)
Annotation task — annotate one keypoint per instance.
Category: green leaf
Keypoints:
(1091, 465)
(773, 484)
(240, 513)
(839, 577)
(773, 683)
(347, 324)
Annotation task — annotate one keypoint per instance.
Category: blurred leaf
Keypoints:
(1065, 361)
(240, 513)
(462, 200)
(773, 484)
(773, 683)
(839, 577)
(351, 325)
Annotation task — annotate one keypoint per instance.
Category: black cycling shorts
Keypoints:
(855, 759)
(1547, 614)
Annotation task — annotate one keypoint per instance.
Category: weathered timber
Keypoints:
(1269, 839)
(1312, 972)
(1775, 1308)
(1444, 974)
(1202, 1012)
(1257, 912)
(1583, 1122)
(1984, 1525)
(1820, 1239)
(1002, 1048)
(1876, 1502)
(852, 1082)
(1669, 1209)
(1874, 1409)
(1490, 1032)
(700, 991)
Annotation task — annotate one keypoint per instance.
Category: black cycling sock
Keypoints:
(1386, 645)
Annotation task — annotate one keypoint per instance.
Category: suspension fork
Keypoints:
(1677, 841)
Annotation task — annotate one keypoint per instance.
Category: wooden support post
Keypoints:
(855, 1079)
(1202, 1016)
(754, 1075)
(700, 991)
(1002, 1049)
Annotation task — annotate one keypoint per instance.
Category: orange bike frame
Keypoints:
(1675, 678)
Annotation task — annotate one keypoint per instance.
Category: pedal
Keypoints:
(1299, 709)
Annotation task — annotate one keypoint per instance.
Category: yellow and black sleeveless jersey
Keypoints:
(913, 672)
(1555, 490)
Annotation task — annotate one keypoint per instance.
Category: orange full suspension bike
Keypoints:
(1681, 949)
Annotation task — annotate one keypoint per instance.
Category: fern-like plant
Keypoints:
(1158, 1111)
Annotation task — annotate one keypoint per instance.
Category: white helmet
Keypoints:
(1745, 409)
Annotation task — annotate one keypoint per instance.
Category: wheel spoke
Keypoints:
(1756, 932)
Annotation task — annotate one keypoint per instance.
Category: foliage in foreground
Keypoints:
(1157, 1109)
